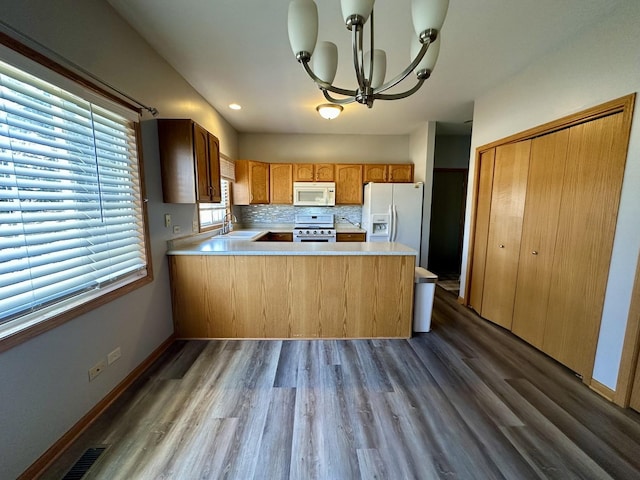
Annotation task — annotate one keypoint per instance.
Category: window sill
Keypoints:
(20, 330)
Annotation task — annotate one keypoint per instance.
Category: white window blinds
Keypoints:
(71, 216)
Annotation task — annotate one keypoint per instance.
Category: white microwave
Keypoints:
(314, 194)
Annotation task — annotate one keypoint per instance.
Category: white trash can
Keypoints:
(425, 288)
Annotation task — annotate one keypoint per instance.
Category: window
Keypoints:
(212, 214)
(71, 216)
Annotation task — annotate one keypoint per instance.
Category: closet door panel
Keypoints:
(505, 229)
(483, 210)
(539, 229)
(588, 212)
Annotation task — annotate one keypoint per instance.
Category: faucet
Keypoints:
(227, 224)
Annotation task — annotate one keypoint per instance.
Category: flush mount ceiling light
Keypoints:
(329, 110)
(235, 106)
(370, 67)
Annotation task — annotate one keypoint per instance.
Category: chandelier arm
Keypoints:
(358, 55)
(398, 96)
(405, 73)
(370, 50)
(324, 85)
(338, 101)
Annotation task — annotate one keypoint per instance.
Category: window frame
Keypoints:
(227, 208)
(16, 332)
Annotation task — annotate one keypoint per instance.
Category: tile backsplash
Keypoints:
(248, 214)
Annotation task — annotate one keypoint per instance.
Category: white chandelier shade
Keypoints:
(370, 68)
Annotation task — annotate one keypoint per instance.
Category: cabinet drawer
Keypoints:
(350, 237)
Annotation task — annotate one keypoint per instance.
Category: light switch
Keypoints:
(167, 220)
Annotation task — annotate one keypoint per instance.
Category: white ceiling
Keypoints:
(238, 51)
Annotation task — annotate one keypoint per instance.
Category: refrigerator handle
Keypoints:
(391, 227)
(395, 224)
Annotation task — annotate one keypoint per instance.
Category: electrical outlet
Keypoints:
(167, 220)
(113, 356)
(96, 369)
(195, 227)
(177, 229)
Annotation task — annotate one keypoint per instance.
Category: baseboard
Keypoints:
(601, 389)
(48, 457)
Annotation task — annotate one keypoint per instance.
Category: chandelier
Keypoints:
(370, 67)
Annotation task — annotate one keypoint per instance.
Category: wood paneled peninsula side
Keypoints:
(246, 289)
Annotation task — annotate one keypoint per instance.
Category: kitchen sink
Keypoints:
(239, 235)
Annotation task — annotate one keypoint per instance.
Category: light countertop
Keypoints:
(243, 242)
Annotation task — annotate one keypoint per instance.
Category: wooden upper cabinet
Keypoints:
(252, 183)
(349, 189)
(190, 162)
(381, 173)
(400, 173)
(281, 183)
(375, 173)
(313, 172)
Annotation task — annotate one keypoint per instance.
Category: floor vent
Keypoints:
(84, 463)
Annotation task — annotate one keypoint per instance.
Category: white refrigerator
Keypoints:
(392, 212)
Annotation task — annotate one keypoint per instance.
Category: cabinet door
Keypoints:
(483, 210)
(281, 183)
(303, 172)
(375, 173)
(214, 169)
(349, 189)
(401, 173)
(201, 154)
(596, 158)
(324, 172)
(350, 237)
(259, 182)
(505, 229)
(175, 139)
(539, 229)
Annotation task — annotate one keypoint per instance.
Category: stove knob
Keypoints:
(315, 232)
(307, 232)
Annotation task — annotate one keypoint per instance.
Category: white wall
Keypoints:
(44, 388)
(422, 147)
(600, 65)
(299, 148)
(452, 151)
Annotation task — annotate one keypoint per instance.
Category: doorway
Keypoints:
(447, 223)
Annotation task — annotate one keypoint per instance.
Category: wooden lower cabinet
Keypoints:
(305, 296)
(351, 237)
(277, 237)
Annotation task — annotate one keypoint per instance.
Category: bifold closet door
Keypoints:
(591, 188)
(539, 229)
(483, 210)
(505, 229)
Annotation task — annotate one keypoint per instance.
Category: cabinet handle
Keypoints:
(501, 246)
(535, 252)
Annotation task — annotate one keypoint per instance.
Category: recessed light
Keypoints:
(234, 106)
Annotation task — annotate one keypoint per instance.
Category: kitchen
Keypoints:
(140, 322)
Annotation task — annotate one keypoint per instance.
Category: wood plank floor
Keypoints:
(467, 400)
